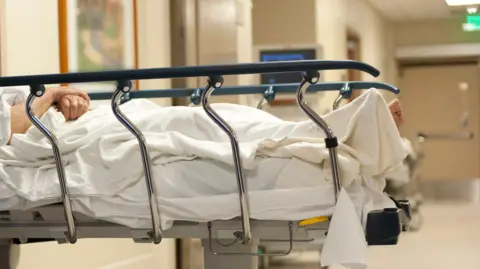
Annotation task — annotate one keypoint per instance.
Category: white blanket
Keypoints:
(104, 169)
(98, 145)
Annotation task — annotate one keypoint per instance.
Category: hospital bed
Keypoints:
(227, 243)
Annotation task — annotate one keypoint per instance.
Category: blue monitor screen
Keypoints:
(285, 55)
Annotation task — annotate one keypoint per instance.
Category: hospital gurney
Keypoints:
(59, 222)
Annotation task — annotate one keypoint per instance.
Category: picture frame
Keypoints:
(97, 36)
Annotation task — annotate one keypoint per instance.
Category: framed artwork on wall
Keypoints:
(97, 35)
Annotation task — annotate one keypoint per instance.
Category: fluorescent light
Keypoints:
(462, 2)
(472, 10)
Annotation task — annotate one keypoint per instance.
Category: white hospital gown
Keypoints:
(8, 98)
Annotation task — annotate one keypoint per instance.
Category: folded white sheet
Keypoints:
(286, 163)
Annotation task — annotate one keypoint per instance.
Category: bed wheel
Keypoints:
(383, 227)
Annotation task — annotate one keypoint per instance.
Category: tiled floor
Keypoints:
(450, 238)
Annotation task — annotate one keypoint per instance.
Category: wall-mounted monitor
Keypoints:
(285, 53)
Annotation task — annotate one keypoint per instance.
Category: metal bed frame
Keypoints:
(59, 221)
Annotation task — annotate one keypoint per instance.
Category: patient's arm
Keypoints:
(71, 102)
(19, 122)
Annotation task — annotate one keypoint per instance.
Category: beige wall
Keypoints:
(221, 37)
(244, 37)
(29, 45)
(433, 32)
(283, 22)
(335, 18)
(26, 32)
(377, 40)
(376, 37)
(245, 44)
(331, 33)
(153, 28)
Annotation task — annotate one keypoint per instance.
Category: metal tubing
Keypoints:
(246, 235)
(152, 198)
(67, 203)
(325, 128)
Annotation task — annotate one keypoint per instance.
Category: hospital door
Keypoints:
(435, 99)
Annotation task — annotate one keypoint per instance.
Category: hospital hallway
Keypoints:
(449, 238)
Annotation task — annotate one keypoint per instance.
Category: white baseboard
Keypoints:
(453, 190)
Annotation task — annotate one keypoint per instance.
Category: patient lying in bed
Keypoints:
(72, 103)
(286, 163)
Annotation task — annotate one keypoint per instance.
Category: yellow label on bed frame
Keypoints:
(313, 220)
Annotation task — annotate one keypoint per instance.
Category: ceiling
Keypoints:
(403, 10)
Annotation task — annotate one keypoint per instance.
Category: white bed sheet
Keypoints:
(203, 190)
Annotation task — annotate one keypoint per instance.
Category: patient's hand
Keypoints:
(397, 112)
(71, 102)
(72, 106)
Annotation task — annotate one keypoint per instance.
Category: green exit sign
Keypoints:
(472, 23)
